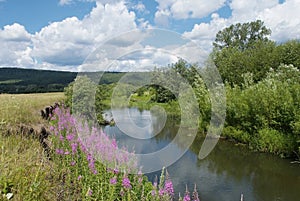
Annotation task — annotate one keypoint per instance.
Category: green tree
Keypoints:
(242, 49)
(289, 53)
(242, 36)
(80, 95)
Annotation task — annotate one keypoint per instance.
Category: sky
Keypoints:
(126, 35)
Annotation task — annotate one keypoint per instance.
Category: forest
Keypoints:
(22, 80)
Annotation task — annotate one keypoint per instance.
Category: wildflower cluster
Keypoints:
(94, 168)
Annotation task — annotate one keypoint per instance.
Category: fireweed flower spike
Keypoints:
(153, 192)
(195, 194)
(186, 195)
(169, 185)
(126, 182)
(113, 181)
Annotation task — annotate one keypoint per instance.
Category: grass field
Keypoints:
(25, 108)
(24, 171)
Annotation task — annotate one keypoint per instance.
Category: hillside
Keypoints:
(19, 80)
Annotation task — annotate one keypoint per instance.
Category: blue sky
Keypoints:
(61, 34)
(36, 14)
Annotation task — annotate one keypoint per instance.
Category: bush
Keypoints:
(266, 115)
(270, 140)
(236, 134)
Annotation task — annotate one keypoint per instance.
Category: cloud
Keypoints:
(144, 60)
(162, 17)
(70, 41)
(203, 34)
(243, 10)
(64, 2)
(144, 52)
(15, 46)
(140, 8)
(184, 9)
(65, 44)
(15, 32)
(283, 19)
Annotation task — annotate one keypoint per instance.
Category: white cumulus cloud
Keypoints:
(283, 19)
(184, 9)
(15, 46)
(69, 42)
(14, 32)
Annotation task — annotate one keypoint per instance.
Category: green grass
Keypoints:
(24, 108)
(172, 108)
(23, 165)
(24, 170)
(12, 81)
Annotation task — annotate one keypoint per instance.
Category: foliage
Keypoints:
(245, 48)
(80, 95)
(288, 53)
(274, 141)
(242, 36)
(262, 81)
(270, 107)
(257, 60)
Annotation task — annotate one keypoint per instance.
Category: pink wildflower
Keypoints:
(59, 151)
(113, 181)
(126, 182)
(187, 195)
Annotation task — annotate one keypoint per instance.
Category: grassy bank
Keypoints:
(24, 171)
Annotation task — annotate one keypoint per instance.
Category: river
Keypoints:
(226, 173)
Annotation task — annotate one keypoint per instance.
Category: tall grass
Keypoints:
(16, 109)
(25, 173)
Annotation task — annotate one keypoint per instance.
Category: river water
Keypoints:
(226, 173)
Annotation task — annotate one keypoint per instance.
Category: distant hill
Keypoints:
(19, 80)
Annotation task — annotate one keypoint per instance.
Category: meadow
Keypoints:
(25, 172)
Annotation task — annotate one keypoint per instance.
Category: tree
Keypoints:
(289, 53)
(242, 49)
(241, 36)
(80, 95)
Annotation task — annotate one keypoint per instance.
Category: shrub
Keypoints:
(270, 140)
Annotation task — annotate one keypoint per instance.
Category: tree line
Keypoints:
(21, 80)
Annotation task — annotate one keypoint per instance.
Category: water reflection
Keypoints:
(227, 172)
